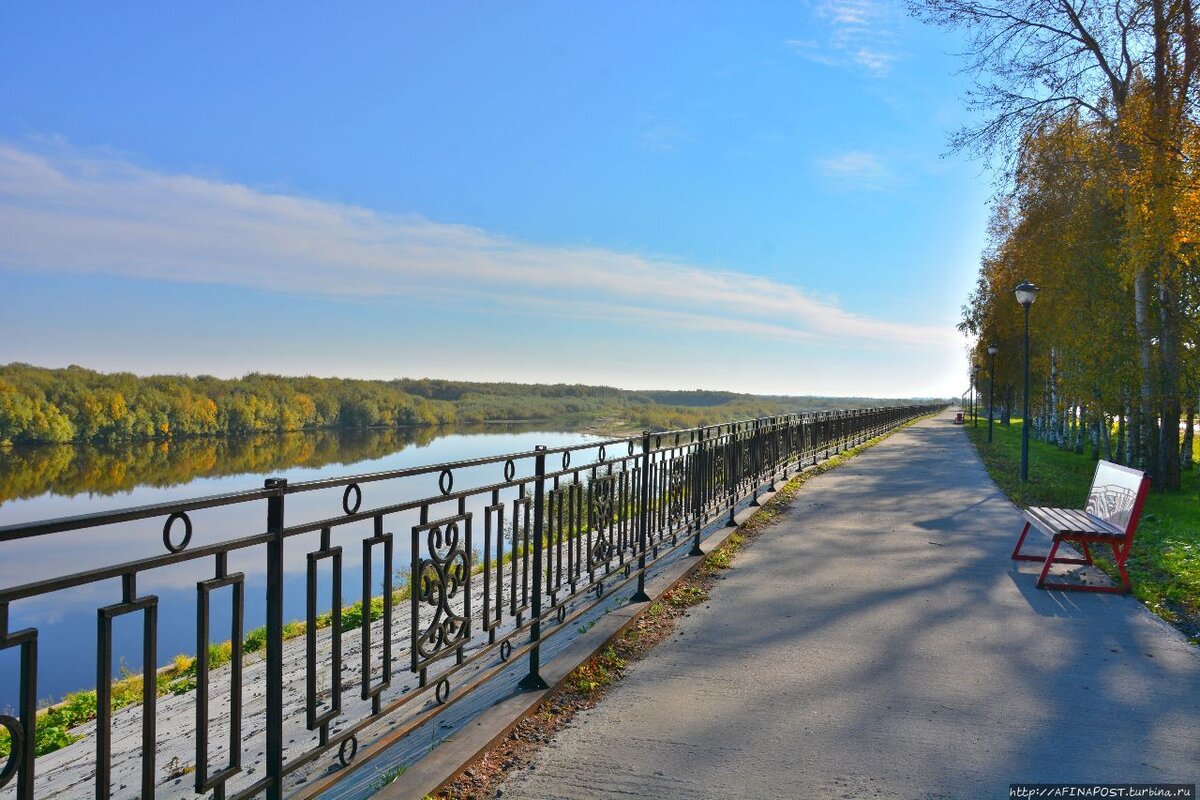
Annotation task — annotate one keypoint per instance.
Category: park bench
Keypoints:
(1110, 518)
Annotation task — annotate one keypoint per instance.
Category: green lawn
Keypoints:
(1164, 564)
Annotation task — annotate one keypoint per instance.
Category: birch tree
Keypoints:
(1126, 69)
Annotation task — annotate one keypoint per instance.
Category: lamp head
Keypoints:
(1026, 293)
(992, 349)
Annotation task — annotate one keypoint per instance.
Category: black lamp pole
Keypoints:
(1025, 411)
(1026, 293)
(991, 388)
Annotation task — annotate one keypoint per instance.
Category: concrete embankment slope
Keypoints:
(878, 642)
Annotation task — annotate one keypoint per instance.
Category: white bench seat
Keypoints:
(1110, 518)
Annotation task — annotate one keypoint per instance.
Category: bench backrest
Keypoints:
(1117, 495)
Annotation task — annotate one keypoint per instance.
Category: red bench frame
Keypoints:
(1111, 516)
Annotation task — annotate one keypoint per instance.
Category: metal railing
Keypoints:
(576, 533)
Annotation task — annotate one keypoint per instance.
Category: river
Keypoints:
(56, 481)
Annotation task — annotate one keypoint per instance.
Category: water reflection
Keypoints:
(46, 482)
(70, 470)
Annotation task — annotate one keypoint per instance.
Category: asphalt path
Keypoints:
(879, 642)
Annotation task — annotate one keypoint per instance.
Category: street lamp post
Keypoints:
(1026, 293)
(975, 396)
(992, 349)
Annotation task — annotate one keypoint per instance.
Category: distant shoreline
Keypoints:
(78, 405)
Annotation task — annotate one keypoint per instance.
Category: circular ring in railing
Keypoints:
(345, 757)
(599, 590)
(187, 532)
(602, 455)
(657, 442)
(631, 447)
(441, 692)
(446, 481)
(352, 489)
(566, 461)
(562, 614)
(510, 470)
(505, 650)
(16, 737)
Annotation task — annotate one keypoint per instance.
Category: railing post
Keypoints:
(534, 679)
(274, 698)
(643, 522)
(783, 446)
(732, 458)
(698, 461)
(753, 453)
(795, 441)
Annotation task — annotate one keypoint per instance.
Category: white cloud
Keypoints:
(662, 135)
(876, 62)
(65, 211)
(861, 169)
(856, 33)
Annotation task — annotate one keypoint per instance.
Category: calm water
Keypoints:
(40, 483)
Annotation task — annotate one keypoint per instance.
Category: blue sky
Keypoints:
(746, 196)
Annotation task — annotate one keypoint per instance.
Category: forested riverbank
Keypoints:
(79, 405)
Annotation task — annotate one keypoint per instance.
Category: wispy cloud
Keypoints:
(662, 135)
(66, 211)
(855, 33)
(858, 168)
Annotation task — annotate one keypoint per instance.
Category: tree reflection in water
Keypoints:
(69, 470)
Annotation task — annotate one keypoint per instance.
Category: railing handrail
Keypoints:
(25, 530)
(577, 535)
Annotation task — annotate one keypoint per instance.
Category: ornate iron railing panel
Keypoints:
(504, 553)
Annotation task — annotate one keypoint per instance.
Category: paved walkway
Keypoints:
(878, 642)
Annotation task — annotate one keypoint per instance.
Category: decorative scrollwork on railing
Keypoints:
(351, 506)
(602, 548)
(675, 492)
(439, 581)
(187, 532)
(1113, 504)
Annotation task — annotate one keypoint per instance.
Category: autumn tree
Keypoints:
(1126, 73)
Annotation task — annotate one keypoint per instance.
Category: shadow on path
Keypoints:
(879, 642)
